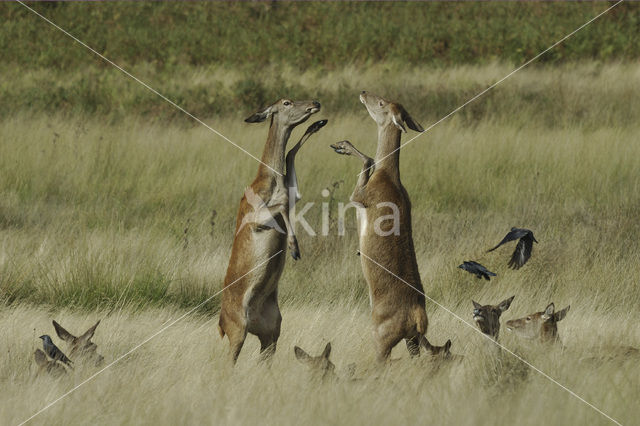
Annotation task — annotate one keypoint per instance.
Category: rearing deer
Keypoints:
(398, 311)
(250, 296)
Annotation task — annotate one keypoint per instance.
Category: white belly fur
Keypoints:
(363, 221)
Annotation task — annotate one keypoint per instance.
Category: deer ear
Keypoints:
(561, 314)
(504, 305)
(548, 311)
(413, 124)
(62, 333)
(327, 351)
(301, 354)
(476, 304)
(397, 121)
(89, 333)
(260, 116)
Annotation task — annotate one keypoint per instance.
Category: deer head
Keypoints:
(286, 113)
(320, 365)
(386, 113)
(82, 346)
(488, 316)
(440, 353)
(539, 325)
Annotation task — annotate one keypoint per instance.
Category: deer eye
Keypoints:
(381, 103)
(528, 318)
(287, 103)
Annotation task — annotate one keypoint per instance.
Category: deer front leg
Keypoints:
(292, 241)
(282, 208)
(359, 192)
(291, 180)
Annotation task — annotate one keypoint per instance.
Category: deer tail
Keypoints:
(420, 318)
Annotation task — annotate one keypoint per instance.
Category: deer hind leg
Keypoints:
(386, 338)
(270, 320)
(237, 334)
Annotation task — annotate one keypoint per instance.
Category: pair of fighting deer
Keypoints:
(250, 296)
(250, 289)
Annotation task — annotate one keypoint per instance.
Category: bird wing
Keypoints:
(509, 237)
(469, 266)
(482, 268)
(522, 253)
(58, 355)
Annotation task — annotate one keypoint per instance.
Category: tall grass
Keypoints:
(112, 219)
(588, 94)
(183, 375)
(98, 215)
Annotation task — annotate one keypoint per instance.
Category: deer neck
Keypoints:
(273, 154)
(549, 333)
(388, 153)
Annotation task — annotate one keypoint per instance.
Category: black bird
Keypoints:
(477, 269)
(522, 253)
(53, 351)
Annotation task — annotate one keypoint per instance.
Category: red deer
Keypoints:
(386, 245)
(250, 296)
(81, 347)
(542, 326)
(487, 317)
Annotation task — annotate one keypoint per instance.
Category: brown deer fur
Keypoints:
(487, 317)
(250, 296)
(542, 326)
(398, 310)
(81, 347)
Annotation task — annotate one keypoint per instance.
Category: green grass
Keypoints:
(315, 34)
(587, 94)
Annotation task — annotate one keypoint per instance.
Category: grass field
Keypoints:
(116, 206)
(112, 220)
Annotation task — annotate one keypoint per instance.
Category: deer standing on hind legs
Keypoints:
(398, 311)
(250, 296)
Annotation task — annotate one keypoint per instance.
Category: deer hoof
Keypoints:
(295, 254)
(295, 251)
(342, 147)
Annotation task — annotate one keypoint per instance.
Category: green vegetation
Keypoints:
(583, 95)
(217, 58)
(116, 206)
(97, 215)
(315, 34)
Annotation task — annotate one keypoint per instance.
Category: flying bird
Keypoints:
(522, 253)
(477, 269)
(53, 351)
